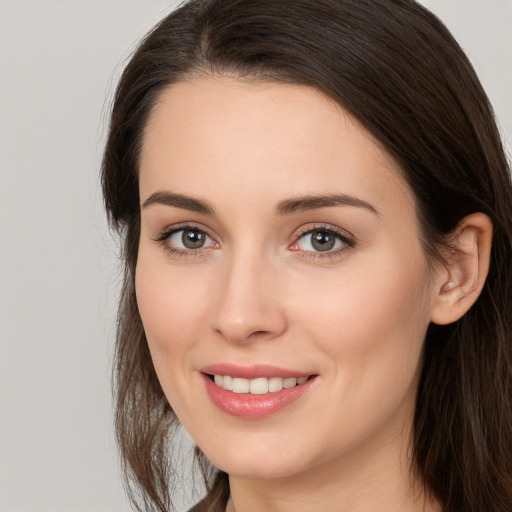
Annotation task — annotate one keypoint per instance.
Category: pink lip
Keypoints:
(246, 405)
(252, 372)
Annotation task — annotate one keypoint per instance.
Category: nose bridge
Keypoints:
(248, 305)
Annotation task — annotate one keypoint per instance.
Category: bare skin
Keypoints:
(225, 162)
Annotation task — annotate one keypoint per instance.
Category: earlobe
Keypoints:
(460, 281)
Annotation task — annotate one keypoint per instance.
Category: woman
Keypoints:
(316, 216)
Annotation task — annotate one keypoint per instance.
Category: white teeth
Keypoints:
(227, 382)
(289, 383)
(240, 385)
(259, 386)
(275, 384)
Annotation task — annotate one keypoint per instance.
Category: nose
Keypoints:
(249, 306)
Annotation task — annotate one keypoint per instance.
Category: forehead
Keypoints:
(211, 134)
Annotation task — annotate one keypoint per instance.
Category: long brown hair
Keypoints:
(395, 67)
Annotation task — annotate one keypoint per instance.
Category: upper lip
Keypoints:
(252, 372)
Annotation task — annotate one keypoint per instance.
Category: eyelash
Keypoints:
(164, 237)
(347, 241)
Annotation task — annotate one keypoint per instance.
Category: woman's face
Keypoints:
(279, 241)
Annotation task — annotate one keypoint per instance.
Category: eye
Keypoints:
(319, 240)
(189, 239)
(185, 240)
(322, 240)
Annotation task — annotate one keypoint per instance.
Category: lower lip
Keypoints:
(246, 405)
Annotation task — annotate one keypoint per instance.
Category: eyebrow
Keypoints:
(179, 201)
(313, 202)
(286, 207)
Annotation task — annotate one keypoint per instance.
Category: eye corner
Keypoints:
(330, 241)
(186, 240)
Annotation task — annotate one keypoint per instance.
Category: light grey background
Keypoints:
(59, 61)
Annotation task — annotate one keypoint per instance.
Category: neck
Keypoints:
(377, 479)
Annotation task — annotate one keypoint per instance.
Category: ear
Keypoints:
(459, 282)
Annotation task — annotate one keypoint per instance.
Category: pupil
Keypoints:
(322, 240)
(192, 239)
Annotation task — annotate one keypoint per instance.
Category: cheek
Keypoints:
(171, 307)
(370, 328)
(172, 311)
(385, 296)
(371, 321)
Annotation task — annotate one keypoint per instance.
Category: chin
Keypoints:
(258, 461)
(247, 468)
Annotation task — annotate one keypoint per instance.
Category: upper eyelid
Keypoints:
(343, 233)
(163, 240)
(346, 238)
(173, 228)
(302, 231)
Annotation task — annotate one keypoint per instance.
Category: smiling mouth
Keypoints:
(258, 386)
